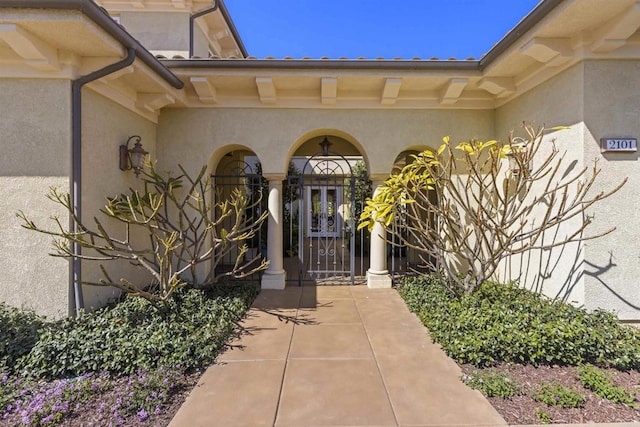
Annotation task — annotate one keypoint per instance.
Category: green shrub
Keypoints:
(543, 416)
(558, 395)
(492, 383)
(187, 334)
(600, 383)
(19, 331)
(505, 323)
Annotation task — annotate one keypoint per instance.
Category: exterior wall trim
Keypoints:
(104, 21)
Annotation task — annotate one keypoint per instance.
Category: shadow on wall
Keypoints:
(599, 271)
(541, 269)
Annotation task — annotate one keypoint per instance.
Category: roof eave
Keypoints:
(104, 21)
(310, 64)
(232, 28)
(527, 23)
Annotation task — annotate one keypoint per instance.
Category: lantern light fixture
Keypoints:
(132, 158)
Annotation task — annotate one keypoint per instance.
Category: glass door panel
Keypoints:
(323, 217)
(315, 222)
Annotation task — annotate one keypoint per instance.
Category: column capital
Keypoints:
(274, 177)
(378, 177)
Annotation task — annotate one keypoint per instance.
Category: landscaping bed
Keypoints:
(131, 364)
(537, 360)
(523, 409)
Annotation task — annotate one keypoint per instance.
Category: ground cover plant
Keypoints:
(492, 383)
(537, 360)
(122, 365)
(601, 384)
(505, 323)
(555, 394)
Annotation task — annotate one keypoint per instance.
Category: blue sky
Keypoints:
(375, 28)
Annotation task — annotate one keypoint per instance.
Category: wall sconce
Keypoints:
(131, 158)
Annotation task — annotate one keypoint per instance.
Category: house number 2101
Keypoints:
(619, 144)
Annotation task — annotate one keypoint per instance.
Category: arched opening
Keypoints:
(324, 194)
(240, 170)
(404, 259)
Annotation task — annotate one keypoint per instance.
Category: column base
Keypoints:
(378, 280)
(275, 280)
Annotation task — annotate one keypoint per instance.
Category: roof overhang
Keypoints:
(218, 26)
(67, 39)
(556, 35)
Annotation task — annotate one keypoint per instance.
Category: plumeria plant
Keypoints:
(183, 230)
(467, 207)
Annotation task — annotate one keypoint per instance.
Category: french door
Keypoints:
(323, 218)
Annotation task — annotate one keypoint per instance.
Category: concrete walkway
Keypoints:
(333, 356)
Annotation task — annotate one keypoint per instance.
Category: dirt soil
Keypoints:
(522, 409)
(89, 413)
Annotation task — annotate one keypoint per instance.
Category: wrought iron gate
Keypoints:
(240, 175)
(322, 203)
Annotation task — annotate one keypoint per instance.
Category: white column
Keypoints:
(378, 275)
(274, 276)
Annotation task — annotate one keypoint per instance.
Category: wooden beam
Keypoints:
(122, 72)
(452, 90)
(266, 90)
(36, 53)
(204, 89)
(154, 101)
(220, 34)
(390, 91)
(550, 51)
(615, 33)
(329, 90)
(498, 86)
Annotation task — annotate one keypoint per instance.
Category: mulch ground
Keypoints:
(90, 413)
(523, 409)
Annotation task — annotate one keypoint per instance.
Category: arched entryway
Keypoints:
(324, 193)
(405, 260)
(240, 170)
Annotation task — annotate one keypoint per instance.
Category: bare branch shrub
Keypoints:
(183, 227)
(467, 208)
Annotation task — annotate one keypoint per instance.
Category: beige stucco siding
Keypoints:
(36, 146)
(105, 126)
(158, 31)
(556, 272)
(612, 109)
(200, 42)
(191, 137)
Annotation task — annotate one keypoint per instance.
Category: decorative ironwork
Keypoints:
(322, 201)
(241, 175)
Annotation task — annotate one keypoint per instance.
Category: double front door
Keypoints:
(323, 218)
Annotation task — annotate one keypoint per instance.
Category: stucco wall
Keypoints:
(158, 30)
(36, 145)
(191, 137)
(556, 272)
(611, 109)
(105, 126)
(200, 42)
